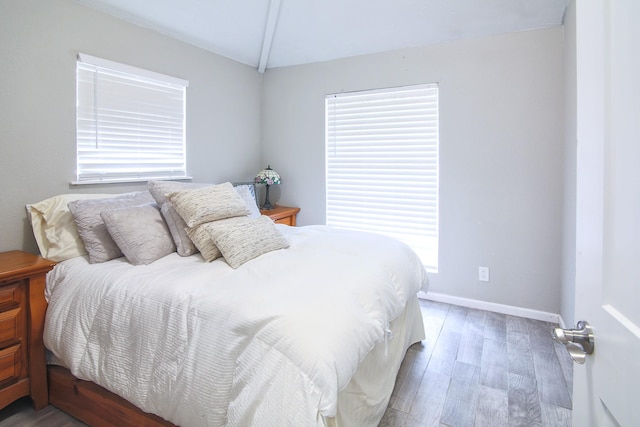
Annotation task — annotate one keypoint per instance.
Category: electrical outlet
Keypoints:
(483, 274)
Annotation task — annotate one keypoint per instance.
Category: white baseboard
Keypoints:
(497, 308)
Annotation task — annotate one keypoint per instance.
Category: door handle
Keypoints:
(578, 342)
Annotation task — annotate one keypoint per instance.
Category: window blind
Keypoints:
(130, 123)
(382, 165)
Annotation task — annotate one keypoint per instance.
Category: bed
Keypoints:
(311, 332)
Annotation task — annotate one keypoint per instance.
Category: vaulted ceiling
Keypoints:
(278, 33)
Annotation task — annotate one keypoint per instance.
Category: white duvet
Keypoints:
(200, 344)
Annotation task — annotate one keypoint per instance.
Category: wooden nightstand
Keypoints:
(22, 309)
(282, 215)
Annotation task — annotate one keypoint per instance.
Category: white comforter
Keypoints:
(200, 344)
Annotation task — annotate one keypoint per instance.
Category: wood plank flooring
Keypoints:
(474, 368)
(478, 368)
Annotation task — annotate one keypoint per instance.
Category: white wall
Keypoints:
(39, 41)
(501, 180)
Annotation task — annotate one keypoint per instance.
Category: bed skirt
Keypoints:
(365, 399)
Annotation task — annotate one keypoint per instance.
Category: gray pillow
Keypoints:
(242, 239)
(208, 204)
(91, 228)
(178, 230)
(140, 232)
(176, 224)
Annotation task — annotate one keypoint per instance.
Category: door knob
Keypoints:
(578, 342)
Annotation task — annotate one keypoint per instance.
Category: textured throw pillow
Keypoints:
(140, 233)
(159, 189)
(243, 239)
(91, 227)
(54, 228)
(208, 204)
(201, 237)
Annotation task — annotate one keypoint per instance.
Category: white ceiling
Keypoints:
(278, 33)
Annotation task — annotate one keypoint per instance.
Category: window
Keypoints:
(130, 123)
(382, 165)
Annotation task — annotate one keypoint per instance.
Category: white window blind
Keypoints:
(130, 123)
(382, 165)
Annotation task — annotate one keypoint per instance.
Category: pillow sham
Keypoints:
(242, 239)
(91, 228)
(246, 192)
(53, 226)
(208, 204)
(140, 233)
(201, 237)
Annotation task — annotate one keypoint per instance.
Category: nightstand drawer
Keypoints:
(10, 364)
(286, 221)
(9, 326)
(10, 294)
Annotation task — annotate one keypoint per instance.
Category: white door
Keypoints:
(606, 387)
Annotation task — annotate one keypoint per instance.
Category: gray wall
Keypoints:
(502, 134)
(501, 161)
(39, 41)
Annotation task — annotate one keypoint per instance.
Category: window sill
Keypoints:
(129, 181)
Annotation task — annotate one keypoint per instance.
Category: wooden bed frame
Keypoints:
(94, 405)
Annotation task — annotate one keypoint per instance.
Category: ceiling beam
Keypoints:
(269, 31)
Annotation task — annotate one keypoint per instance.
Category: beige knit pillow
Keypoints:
(208, 204)
(243, 239)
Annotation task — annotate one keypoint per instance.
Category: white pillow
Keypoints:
(208, 204)
(54, 228)
(249, 197)
(242, 239)
(140, 233)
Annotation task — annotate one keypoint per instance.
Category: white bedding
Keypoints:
(200, 344)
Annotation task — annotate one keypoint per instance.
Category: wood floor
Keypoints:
(478, 368)
(475, 368)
